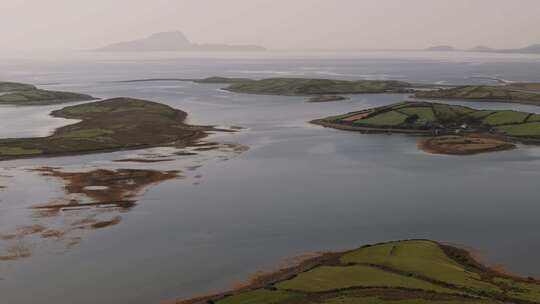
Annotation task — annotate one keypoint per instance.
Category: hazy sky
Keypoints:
(369, 24)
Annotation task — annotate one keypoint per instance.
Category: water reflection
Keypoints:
(99, 196)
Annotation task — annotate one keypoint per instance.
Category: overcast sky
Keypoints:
(366, 24)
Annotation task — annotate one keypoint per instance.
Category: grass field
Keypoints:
(16, 151)
(533, 118)
(422, 258)
(505, 117)
(328, 278)
(527, 129)
(386, 119)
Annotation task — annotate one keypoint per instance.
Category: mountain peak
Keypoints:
(172, 41)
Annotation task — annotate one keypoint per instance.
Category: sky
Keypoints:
(276, 24)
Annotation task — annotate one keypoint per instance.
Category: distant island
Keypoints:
(174, 41)
(524, 93)
(109, 125)
(318, 90)
(441, 48)
(531, 49)
(26, 94)
(399, 272)
(455, 129)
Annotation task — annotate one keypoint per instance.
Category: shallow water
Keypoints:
(299, 188)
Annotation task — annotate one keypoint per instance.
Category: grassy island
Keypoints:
(306, 86)
(467, 131)
(320, 90)
(526, 93)
(326, 98)
(113, 124)
(402, 272)
(27, 94)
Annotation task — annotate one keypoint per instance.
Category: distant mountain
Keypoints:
(481, 48)
(441, 48)
(532, 49)
(173, 41)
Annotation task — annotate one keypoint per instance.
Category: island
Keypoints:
(109, 125)
(173, 42)
(397, 272)
(441, 48)
(456, 129)
(310, 86)
(318, 90)
(26, 94)
(326, 98)
(524, 93)
(530, 49)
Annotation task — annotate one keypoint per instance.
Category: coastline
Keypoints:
(467, 257)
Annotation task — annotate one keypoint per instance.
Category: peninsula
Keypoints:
(456, 129)
(401, 272)
(109, 125)
(27, 94)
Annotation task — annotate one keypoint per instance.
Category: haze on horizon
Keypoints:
(275, 24)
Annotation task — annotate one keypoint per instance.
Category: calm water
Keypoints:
(299, 188)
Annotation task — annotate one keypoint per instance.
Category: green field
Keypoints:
(392, 119)
(533, 118)
(421, 258)
(401, 272)
(505, 118)
(327, 278)
(531, 129)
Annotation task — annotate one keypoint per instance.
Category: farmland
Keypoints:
(456, 129)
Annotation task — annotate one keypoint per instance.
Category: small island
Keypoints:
(26, 94)
(308, 86)
(455, 129)
(400, 272)
(109, 125)
(524, 93)
(326, 98)
(463, 145)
